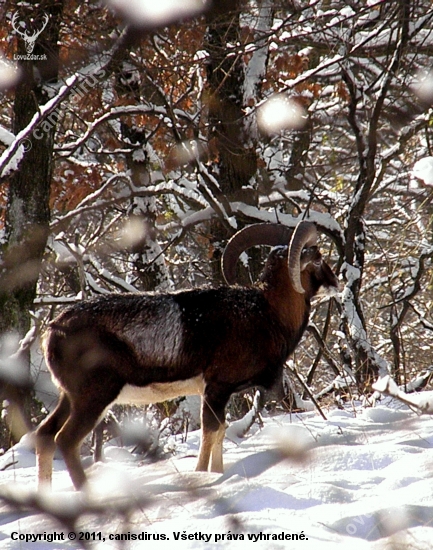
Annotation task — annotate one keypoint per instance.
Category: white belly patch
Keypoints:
(155, 393)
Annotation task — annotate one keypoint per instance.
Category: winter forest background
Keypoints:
(137, 138)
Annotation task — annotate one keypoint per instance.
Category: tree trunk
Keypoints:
(232, 148)
(28, 211)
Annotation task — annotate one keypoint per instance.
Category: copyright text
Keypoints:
(144, 535)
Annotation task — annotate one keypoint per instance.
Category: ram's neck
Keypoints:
(291, 308)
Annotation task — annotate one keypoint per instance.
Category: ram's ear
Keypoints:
(327, 279)
(310, 255)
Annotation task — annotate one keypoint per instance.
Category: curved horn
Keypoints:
(305, 235)
(272, 234)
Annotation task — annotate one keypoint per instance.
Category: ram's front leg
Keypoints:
(213, 429)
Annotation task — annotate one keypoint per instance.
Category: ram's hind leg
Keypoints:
(44, 440)
(87, 406)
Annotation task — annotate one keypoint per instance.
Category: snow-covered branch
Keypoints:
(11, 157)
(421, 403)
(116, 113)
(67, 509)
(355, 327)
(98, 201)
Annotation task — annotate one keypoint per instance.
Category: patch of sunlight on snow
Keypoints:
(149, 13)
(293, 442)
(423, 170)
(9, 74)
(12, 366)
(184, 153)
(279, 113)
(108, 481)
(134, 231)
(423, 86)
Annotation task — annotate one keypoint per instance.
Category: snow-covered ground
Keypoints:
(362, 479)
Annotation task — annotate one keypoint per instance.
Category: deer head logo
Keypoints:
(29, 39)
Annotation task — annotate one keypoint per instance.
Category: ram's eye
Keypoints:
(309, 254)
